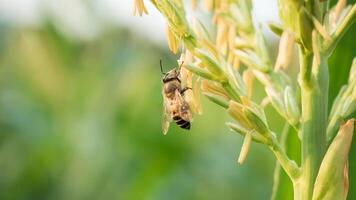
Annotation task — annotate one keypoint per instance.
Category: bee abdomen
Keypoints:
(181, 122)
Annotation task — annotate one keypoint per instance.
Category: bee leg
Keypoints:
(185, 89)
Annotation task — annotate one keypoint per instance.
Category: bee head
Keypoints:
(171, 75)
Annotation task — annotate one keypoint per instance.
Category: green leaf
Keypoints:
(339, 67)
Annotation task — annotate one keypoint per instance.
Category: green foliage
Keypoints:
(81, 120)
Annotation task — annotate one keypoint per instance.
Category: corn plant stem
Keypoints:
(314, 83)
(278, 169)
(276, 180)
(306, 63)
(290, 167)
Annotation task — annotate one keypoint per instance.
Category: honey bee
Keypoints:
(175, 108)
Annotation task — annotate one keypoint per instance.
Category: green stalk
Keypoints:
(278, 169)
(314, 87)
(289, 166)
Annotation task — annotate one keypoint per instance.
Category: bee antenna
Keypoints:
(160, 64)
(180, 66)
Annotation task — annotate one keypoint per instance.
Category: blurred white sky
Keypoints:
(85, 18)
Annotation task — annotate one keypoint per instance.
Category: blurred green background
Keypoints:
(80, 119)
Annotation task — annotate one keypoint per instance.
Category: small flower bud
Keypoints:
(222, 34)
(217, 99)
(188, 57)
(239, 18)
(265, 101)
(173, 42)
(241, 43)
(351, 107)
(209, 5)
(210, 87)
(200, 30)
(232, 36)
(319, 27)
(292, 107)
(275, 28)
(236, 111)
(276, 100)
(245, 148)
(236, 127)
(196, 94)
(338, 99)
(194, 4)
(248, 77)
(288, 12)
(256, 122)
(231, 89)
(338, 9)
(230, 58)
(186, 75)
(210, 64)
(262, 49)
(251, 60)
(236, 63)
(348, 106)
(245, 8)
(174, 12)
(236, 80)
(201, 72)
(191, 96)
(139, 8)
(209, 46)
(285, 50)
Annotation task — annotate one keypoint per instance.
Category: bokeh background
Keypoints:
(80, 110)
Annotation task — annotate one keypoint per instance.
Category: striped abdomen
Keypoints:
(181, 122)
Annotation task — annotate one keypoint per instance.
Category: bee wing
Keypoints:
(166, 116)
(184, 110)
